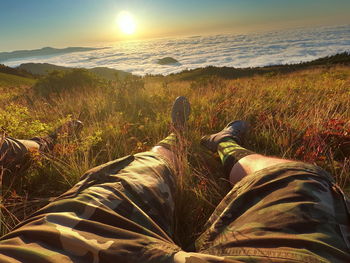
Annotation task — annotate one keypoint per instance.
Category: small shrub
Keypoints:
(17, 121)
(66, 81)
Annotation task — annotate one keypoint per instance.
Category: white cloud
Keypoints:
(139, 57)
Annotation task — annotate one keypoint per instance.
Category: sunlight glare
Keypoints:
(126, 23)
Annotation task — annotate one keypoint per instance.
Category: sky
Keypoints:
(30, 24)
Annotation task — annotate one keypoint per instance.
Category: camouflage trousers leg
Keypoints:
(15, 157)
(122, 211)
(291, 212)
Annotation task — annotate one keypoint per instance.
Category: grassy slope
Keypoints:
(9, 80)
(40, 69)
(230, 72)
(292, 114)
(12, 86)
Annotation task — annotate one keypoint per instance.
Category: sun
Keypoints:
(126, 23)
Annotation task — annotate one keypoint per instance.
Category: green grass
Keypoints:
(302, 115)
(13, 86)
(9, 80)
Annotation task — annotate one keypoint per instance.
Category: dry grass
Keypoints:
(303, 115)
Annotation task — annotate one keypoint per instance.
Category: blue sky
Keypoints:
(30, 24)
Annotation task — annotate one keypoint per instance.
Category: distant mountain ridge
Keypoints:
(45, 51)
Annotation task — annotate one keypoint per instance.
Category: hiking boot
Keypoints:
(68, 129)
(180, 112)
(234, 130)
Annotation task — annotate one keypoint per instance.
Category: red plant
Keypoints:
(332, 136)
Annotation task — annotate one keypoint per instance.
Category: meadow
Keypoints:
(300, 114)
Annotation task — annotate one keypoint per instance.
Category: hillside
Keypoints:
(231, 72)
(15, 71)
(42, 69)
(296, 111)
(45, 51)
(11, 80)
(12, 87)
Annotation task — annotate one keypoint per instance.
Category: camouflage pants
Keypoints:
(14, 155)
(123, 211)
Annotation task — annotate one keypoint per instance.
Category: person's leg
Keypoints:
(30, 145)
(277, 211)
(170, 145)
(46, 143)
(15, 154)
(251, 164)
(166, 147)
(166, 153)
(121, 211)
(238, 162)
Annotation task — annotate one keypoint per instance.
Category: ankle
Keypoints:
(166, 153)
(230, 152)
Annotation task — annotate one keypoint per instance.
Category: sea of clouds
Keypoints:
(251, 50)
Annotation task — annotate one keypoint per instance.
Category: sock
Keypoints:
(230, 153)
(169, 142)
